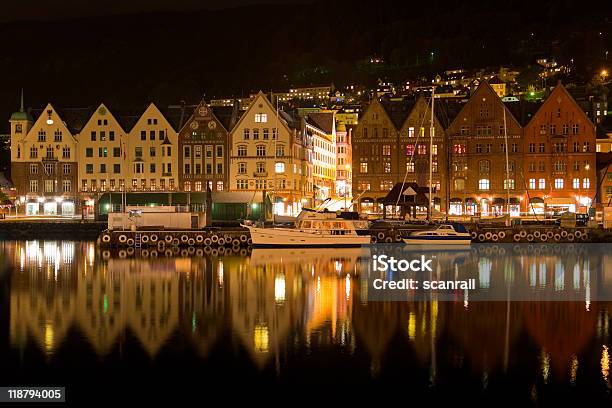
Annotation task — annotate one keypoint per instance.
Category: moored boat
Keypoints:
(445, 234)
(315, 229)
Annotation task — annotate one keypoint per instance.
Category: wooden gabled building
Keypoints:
(204, 148)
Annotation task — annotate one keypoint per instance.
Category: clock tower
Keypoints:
(21, 122)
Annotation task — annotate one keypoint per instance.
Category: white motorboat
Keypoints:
(315, 229)
(445, 234)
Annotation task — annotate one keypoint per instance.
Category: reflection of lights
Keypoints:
(573, 369)
(49, 337)
(545, 365)
(318, 284)
(220, 273)
(22, 258)
(261, 338)
(411, 326)
(338, 266)
(50, 251)
(68, 251)
(347, 286)
(279, 289)
(605, 364)
(91, 253)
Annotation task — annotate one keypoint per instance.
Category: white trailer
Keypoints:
(161, 217)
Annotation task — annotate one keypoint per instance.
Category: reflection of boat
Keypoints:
(267, 256)
(445, 234)
(314, 229)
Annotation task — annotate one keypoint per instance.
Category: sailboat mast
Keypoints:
(431, 132)
(275, 137)
(507, 166)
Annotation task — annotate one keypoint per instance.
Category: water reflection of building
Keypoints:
(283, 302)
(327, 277)
(264, 303)
(148, 294)
(485, 332)
(561, 330)
(202, 303)
(57, 286)
(43, 286)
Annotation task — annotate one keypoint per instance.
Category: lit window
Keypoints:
(483, 184)
(586, 183)
(559, 183)
(261, 117)
(542, 184)
(279, 167)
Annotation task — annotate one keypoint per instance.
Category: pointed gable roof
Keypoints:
(103, 110)
(285, 119)
(398, 110)
(484, 89)
(222, 115)
(152, 108)
(561, 91)
(322, 120)
(74, 119)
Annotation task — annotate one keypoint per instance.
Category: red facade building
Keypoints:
(559, 160)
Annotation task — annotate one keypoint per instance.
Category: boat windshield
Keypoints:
(454, 228)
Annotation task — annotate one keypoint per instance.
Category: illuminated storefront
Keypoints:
(558, 205)
(535, 206)
(48, 206)
(456, 206)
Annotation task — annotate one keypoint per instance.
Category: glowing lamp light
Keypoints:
(59, 199)
(49, 119)
(41, 199)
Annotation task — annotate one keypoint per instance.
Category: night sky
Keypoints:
(64, 9)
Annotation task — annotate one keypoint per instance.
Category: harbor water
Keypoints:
(189, 324)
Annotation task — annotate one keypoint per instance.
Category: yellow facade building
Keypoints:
(268, 152)
(43, 162)
(152, 153)
(101, 151)
(320, 130)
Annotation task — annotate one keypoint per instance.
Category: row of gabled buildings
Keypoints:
(64, 160)
(551, 150)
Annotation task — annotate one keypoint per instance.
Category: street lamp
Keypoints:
(603, 74)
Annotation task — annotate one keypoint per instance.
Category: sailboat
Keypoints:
(446, 234)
